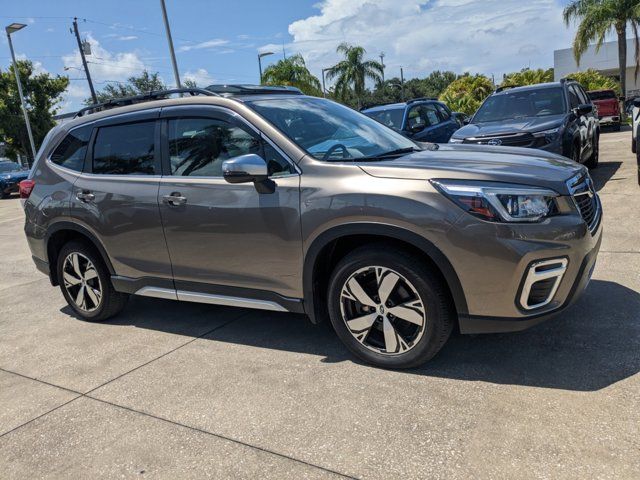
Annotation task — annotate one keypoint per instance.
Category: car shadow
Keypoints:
(603, 174)
(591, 346)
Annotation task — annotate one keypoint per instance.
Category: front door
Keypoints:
(227, 238)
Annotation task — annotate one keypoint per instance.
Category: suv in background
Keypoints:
(420, 119)
(290, 203)
(608, 106)
(557, 117)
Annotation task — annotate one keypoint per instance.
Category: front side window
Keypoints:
(444, 111)
(574, 99)
(521, 104)
(329, 131)
(431, 115)
(125, 149)
(71, 151)
(391, 117)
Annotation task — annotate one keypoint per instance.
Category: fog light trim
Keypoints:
(542, 270)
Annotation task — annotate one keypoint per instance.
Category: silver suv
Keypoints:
(279, 201)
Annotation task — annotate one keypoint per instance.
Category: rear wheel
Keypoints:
(388, 308)
(86, 284)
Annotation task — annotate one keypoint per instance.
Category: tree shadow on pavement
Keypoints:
(590, 346)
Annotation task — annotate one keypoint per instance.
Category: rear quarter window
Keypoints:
(71, 151)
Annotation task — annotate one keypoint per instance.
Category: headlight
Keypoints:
(549, 135)
(498, 203)
(456, 140)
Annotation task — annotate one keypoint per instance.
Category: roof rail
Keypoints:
(145, 97)
(232, 90)
(421, 99)
(506, 87)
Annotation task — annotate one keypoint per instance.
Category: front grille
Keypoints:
(586, 199)
(508, 140)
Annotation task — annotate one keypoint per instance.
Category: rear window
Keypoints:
(125, 149)
(602, 95)
(71, 151)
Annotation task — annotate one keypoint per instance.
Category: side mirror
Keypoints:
(583, 109)
(636, 102)
(245, 168)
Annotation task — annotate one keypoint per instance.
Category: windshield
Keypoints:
(329, 131)
(391, 117)
(520, 104)
(6, 167)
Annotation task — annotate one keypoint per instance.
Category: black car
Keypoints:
(11, 174)
(558, 117)
(421, 119)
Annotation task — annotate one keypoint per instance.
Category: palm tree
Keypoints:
(527, 76)
(293, 72)
(352, 72)
(597, 18)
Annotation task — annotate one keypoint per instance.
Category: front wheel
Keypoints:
(594, 158)
(388, 307)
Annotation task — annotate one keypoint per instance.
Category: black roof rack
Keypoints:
(240, 90)
(420, 99)
(145, 97)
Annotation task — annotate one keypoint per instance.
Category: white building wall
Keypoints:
(605, 61)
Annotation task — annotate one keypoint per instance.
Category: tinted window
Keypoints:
(574, 100)
(71, 151)
(444, 111)
(416, 119)
(431, 114)
(276, 164)
(391, 117)
(125, 149)
(584, 98)
(521, 104)
(198, 146)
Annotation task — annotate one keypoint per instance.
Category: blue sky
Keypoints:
(217, 41)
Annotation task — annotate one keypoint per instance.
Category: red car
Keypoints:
(608, 107)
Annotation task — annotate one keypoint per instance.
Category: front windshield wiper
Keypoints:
(393, 153)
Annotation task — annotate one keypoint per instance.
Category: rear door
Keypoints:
(116, 197)
(227, 239)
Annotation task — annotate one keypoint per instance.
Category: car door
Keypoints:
(223, 238)
(581, 121)
(449, 122)
(591, 118)
(116, 196)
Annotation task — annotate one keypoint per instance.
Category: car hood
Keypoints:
(523, 166)
(525, 124)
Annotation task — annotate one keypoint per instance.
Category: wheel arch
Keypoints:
(63, 232)
(334, 243)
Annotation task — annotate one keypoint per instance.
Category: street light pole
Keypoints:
(170, 40)
(260, 55)
(14, 27)
(84, 61)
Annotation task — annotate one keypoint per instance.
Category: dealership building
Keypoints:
(605, 61)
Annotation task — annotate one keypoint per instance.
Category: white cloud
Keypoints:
(38, 68)
(487, 36)
(200, 76)
(209, 44)
(127, 38)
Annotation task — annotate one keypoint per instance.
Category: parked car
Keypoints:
(291, 203)
(635, 132)
(608, 107)
(11, 174)
(421, 119)
(557, 117)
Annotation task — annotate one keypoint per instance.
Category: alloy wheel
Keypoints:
(82, 282)
(382, 310)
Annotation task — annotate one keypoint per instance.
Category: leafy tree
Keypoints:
(42, 93)
(143, 83)
(467, 93)
(593, 80)
(596, 18)
(189, 83)
(292, 72)
(352, 72)
(527, 76)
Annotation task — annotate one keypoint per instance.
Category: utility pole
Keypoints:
(84, 60)
(170, 40)
(383, 65)
(14, 27)
(402, 83)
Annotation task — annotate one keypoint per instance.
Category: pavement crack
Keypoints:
(41, 415)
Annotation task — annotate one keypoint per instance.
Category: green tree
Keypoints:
(392, 91)
(467, 93)
(292, 72)
(144, 83)
(42, 93)
(527, 76)
(596, 18)
(593, 80)
(352, 72)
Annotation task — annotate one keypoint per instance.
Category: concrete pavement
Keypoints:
(169, 390)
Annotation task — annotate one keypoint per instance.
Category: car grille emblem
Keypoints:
(494, 141)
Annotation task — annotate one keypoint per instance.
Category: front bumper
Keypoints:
(492, 272)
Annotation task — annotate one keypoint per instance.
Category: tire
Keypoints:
(80, 267)
(381, 336)
(594, 158)
(634, 147)
(575, 153)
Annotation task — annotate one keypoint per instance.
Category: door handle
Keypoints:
(85, 196)
(175, 199)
